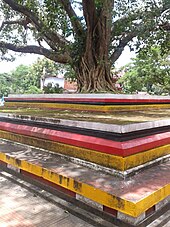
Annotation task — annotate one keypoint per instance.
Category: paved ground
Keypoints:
(22, 206)
(25, 205)
(132, 190)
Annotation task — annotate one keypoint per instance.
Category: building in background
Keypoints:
(67, 85)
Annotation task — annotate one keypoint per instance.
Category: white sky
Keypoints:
(27, 59)
(31, 58)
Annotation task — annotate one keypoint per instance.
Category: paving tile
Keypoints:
(21, 208)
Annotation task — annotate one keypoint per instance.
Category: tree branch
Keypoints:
(76, 24)
(32, 49)
(165, 26)
(23, 23)
(123, 42)
(89, 10)
(127, 38)
(52, 36)
(140, 14)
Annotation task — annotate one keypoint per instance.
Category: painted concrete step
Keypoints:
(43, 202)
(89, 102)
(113, 154)
(102, 130)
(94, 98)
(131, 199)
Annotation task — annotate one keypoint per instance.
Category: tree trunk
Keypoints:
(93, 68)
(94, 77)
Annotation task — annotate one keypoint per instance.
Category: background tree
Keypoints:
(149, 71)
(6, 84)
(18, 81)
(50, 89)
(26, 79)
(44, 65)
(90, 39)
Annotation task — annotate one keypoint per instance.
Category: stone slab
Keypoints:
(91, 96)
(121, 129)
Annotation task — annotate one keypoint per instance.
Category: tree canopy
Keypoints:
(149, 73)
(89, 35)
(24, 79)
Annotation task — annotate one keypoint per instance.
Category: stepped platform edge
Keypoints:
(89, 102)
(91, 96)
(105, 127)
(130, 200)
(92, 99)
(121, 152)
(119, 169)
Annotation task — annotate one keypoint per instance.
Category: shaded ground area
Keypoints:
(25, 205)
(133, 189)
(124, 117)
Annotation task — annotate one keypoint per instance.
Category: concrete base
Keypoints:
(130, 200)
(122, 157)
(90, 102)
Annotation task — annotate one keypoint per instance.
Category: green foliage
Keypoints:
(49, 66)
(26, 79)
(145, 18)
(50, 89)
(19, 81)
(149, 71)
(33, 90)
(6, 82)
(82, 34)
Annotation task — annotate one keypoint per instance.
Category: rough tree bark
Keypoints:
(93, 68)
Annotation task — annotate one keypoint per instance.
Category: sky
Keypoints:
(31, 58)
(27, 59)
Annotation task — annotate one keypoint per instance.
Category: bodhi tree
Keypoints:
(89, 35)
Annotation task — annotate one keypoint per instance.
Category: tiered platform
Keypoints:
(89, 102)
(122, 168)
(118, 149)
(130, 200)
